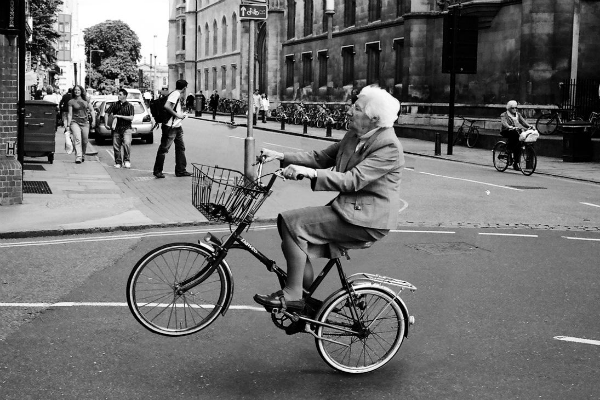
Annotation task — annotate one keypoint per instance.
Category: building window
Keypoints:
(206, 40)
(289, 70)
(374, 10)
(206, 79)
(61, 27)
(181, 36)
(291, 19)
(223, 77)
(164, 81)
(306, 69)
(399, 48)
(224, 38)
(234, 32)
(215, 37)
(233, 76)
(399, 8)
(322, 57)
(349, 12)
(325, 16)
(67, 27)
(199, 41)
(347, 65)
(214, 78)
(67, 45)
(308, 17)
(373, 51)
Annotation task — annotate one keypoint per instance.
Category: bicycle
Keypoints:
(527, 162)
(181, 288)
(470, 136)
(548, 123)
(595, 121)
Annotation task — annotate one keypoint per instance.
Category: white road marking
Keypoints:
(577, 340)
(404, 207)
(109, 304)
(110, 153)
(578, 238)
(506, 234)
(470, 180)
(590, 204)
(287, 147)
(236, 137)
(410, 231)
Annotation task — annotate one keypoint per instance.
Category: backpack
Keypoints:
(157, 109)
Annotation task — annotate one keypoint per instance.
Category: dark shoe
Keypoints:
(516, 167)
(276, 300)
(159, 175)
(77, 161)
(185, 173)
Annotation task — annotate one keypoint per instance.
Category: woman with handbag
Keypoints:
(78, 121)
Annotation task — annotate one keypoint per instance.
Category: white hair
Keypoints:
(380, 104)
(512, 103)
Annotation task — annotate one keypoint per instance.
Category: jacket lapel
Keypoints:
(347, 153)
(358, 156)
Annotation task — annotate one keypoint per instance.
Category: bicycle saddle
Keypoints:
(354, 245)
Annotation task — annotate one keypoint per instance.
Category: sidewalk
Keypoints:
(93, 196)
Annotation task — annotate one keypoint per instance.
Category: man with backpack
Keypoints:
(171, 116)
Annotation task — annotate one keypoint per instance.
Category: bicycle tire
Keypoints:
(386, 327)
(527, 160)
(457, 135)
(501, 156)
(472, 137)
(152, 299)
(547, 124)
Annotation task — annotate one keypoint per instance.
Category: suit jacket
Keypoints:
(368, 180)
(508, 123)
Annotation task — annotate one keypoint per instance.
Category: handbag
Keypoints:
(111, 122)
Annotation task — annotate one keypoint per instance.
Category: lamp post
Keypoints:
(329, 11)
(91, 51)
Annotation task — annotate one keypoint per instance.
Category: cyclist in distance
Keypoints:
(365, 167)
(512, 126)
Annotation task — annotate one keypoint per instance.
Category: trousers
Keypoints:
(170, 135)
(80, 137)
(122, 140)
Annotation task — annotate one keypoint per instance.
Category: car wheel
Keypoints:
(99, 140)
(149, 138)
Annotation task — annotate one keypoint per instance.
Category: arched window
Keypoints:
(224, 33)
(206, 39)
(233, 32)
(215, 36)
(199, 42)
(308, 17)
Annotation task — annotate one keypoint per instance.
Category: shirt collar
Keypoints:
(368, 135)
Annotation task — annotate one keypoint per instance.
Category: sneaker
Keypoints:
(127, 164)
(117, 165)
(159, 175)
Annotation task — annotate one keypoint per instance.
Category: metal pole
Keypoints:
(249, 149)
(455, 16)
(21, 79)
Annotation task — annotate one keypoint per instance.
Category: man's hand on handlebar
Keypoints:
(270, 155)
(297, 172)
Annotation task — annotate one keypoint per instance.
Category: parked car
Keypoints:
(96, 101)
(142, 122)
(134, 94)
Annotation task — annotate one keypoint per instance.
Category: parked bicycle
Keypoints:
(595, 121)
(527, 162)
(548, 123)
(469, 134)
(181, 288)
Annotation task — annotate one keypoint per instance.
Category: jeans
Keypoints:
(170, 135)
(122, 140)
(80, 137)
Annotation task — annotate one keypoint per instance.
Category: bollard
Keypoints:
(328, 132)
(283, 122)
(254, 119)
(232, 118)
(438, 144)
(305, 127)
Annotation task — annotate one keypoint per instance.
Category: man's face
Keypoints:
(122, 97)
(359, 121)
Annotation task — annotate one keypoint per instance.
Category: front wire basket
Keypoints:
(226, 195)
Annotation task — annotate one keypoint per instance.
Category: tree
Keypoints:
(121, 53)
(43, 42)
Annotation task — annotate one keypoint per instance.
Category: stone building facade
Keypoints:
(526, 48)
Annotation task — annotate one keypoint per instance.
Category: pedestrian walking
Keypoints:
(80, 113)
(202, 100)
(214, 103)
(264, 107)
(173, 132)
(63, 109)
(55, 98)
(189, 103)
(255, 104)
(123, 112)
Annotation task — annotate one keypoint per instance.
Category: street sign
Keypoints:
(255, 11)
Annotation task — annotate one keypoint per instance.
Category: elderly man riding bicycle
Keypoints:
(365, 167)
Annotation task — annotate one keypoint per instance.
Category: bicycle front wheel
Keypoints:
(546, 124)
(501, 156)
(152, 290)
(472, 137)
(380, 330)
(527, 160)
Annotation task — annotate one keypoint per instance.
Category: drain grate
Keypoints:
(525, 187)
(40, 187)
(33, 167)
(445, 248)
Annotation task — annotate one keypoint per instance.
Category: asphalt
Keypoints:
(94, 197)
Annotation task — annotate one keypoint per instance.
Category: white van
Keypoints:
(134, 94)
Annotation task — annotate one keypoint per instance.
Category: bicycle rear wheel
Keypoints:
(370, 348)
(151, 290)
(472, 137)
(457, 135)
(546, 124)
(501, 156)
(527, 160)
